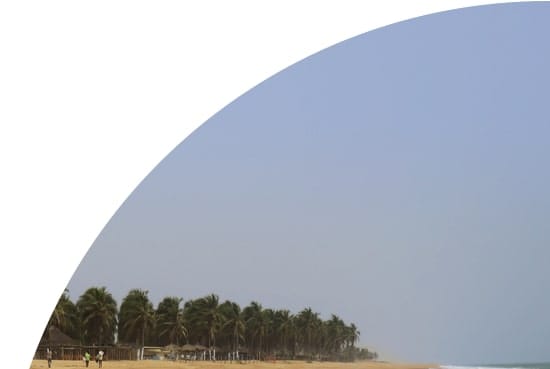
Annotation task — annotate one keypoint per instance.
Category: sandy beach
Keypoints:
(162, 364)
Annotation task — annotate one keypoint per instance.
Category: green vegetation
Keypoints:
(264, 333)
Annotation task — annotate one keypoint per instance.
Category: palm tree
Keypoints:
(192, 318)
(64, 317)
(234, 323)
(351, 336)
(212, 318)
(136, 317)
(257, 325)
(335, 335)
(269, 330)
(98, 314)
(284, 326)
(171, 327)
(309, 324)
(205, 320)
(249, 312)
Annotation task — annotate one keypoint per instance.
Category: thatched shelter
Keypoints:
(172, 348)
(57, 338)
(200, 348)
(188, 348)
(172, 351)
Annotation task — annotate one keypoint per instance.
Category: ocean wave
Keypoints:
(527, 366)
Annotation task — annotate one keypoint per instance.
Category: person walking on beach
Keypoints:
(49, 357)
(99, 358)
(87, 357)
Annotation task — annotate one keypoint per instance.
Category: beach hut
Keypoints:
(57, 338)
(188, 351)
(172, 351)
(188, 348)
(61, 344)
(201, 351)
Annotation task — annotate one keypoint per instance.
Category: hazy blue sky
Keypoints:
(399, 179)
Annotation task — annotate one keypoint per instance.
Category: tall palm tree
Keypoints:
(234, 322)
(309, 324)
(285, 328)
(98, 314)
(257, 325)
(249, 312)
(212, 318)
(136, 317)
(205, 320)
(269, 331)
(171, 326)
(351, 336)
(191, 315)
(335, 335)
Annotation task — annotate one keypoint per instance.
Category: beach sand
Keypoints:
(283, 364)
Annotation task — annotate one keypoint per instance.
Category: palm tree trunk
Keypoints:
(142, 340)
(209, 348)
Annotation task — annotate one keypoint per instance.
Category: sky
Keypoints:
(397, 179)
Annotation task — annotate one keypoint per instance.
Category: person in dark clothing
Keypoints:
(49, 355)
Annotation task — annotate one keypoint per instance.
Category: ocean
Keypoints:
(501, 366)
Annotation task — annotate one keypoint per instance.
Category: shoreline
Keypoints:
(282, 364)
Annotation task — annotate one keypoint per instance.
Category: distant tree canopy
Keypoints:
(95, 319)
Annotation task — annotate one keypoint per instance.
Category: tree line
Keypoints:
(96, 319)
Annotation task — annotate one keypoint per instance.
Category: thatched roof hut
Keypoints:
(172, 348)
(188, 348)
(57, 338)
(200, 348)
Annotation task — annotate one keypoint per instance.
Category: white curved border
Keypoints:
(92, 97)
